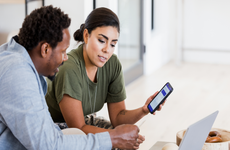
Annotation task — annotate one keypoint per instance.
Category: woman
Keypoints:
(91, 77)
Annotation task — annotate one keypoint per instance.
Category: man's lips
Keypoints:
(56, 70)
(59, 66)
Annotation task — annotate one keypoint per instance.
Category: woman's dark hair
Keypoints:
(97, 18)
(43, 24)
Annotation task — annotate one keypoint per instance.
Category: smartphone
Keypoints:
(160, 97)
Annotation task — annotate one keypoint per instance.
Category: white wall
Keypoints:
(111, 4)
(77, 10)
(9, 21)
(160, 42)
(206, 31)
(12, 16)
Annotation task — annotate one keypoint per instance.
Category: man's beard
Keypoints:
(53, 77)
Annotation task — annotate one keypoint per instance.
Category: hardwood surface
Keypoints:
(199, 90)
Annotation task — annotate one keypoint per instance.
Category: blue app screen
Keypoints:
(159, 97)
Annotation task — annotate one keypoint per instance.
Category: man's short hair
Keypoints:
(43, 24)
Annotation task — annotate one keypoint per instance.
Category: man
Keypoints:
(25, 122)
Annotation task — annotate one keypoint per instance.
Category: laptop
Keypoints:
(196, 134)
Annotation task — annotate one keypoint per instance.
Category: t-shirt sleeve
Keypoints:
(116, 89)
(67, 81)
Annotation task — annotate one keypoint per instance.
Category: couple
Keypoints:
(39, 50)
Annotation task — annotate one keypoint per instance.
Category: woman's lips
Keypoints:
(102, 59)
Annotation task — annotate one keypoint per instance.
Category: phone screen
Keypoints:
(160, 97)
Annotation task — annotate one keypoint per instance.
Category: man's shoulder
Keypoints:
(13, 55)
(9, 60)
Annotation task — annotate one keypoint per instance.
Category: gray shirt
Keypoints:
(25, 122)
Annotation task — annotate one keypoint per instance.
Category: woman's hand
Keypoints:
(145, 108)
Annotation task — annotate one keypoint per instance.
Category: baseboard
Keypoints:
(205, 56)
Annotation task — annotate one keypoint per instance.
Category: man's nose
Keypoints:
(65, 57)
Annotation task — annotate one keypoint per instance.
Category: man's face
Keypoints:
(58, 55)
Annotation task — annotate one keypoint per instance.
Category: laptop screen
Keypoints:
(197, 133)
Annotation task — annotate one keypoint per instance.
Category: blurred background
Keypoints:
(185, 42)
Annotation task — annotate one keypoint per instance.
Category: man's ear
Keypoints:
(85, 36)
(45, 50)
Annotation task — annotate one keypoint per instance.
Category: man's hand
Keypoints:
(126, 137)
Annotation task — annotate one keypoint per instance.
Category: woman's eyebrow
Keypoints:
(107, 37)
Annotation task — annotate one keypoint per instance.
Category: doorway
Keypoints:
(130, 45)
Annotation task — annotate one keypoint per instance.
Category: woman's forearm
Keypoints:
(130, 116)
(92, 129)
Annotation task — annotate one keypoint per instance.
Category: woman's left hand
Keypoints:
(146, 110)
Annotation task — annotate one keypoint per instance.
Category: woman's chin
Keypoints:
(99, 65)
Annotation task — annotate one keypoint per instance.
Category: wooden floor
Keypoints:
(199, 90)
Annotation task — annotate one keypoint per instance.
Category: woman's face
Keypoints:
(100, 44)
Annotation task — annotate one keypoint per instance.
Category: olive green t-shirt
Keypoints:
(73, 81)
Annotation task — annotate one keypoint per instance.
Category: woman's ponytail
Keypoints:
(78, 35)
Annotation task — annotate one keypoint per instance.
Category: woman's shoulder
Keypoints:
(114, 60)
(75, 56)
(113, 64)
(75, 62)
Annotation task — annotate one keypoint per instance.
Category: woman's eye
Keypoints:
(101, 41)
(112, 45)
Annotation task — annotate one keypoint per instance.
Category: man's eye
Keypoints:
(112, 45)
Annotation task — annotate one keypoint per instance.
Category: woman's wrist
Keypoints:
(145, 110)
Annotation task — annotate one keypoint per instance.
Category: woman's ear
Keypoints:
(85, 36)
(45, 49)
